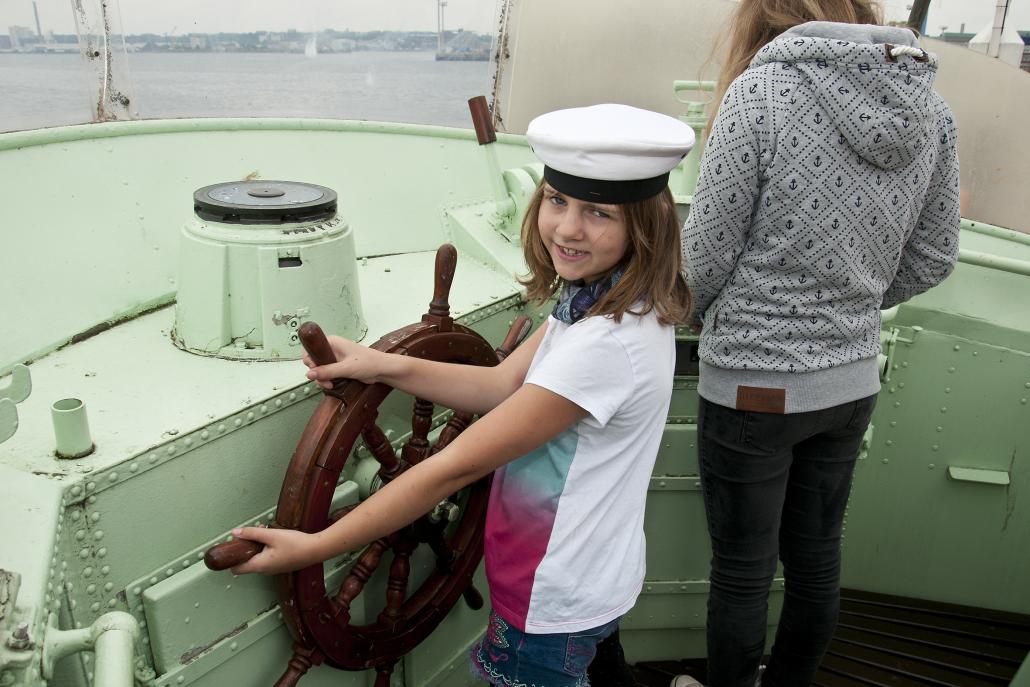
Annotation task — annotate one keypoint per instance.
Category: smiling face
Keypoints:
(584, 240)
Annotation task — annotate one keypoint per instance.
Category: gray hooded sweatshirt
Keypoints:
(828, 190)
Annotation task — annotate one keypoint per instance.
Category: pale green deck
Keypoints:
(189, 447)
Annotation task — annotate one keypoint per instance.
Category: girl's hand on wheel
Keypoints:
(353, 361)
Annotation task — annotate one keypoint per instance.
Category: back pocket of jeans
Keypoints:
(579, 652)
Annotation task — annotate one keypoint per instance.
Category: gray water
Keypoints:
(52, 90)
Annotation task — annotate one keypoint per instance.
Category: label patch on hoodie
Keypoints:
(761, 400)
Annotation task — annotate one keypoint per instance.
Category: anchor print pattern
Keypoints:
(863, 202)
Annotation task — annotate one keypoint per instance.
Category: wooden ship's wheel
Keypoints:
(320, 622)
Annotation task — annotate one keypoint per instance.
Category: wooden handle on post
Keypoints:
(231, 553)
(481, 120)
(446, 262)
(316, 344)
(519, 329)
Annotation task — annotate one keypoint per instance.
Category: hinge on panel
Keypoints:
(15, 392)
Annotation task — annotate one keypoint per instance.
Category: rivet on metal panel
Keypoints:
(101, 552)
(170, 450)
(221, 428)
(250, 416)
(113, 477)
(153, 458)
(237, 422)
(901, 385)
(90, 486)
(897, 404)
(944, 409)
(133, 467)
(1023, 401)
(94, 607)
(935, 447)
(76, 490)
(957, 348)
(80, 535)
(84, 553)
(904, 364)
(931, 466)
(890, 442)
(947, 389)
(951, 369)
(98, 535)
(894, 423)
(884, 461)
(87, 572)
(891, 390)
(91, 500)
(111, 603)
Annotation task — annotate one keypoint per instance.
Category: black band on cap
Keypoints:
(608, 192)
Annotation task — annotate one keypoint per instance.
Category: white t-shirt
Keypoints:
(565, 525)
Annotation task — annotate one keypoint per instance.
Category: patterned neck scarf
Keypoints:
(576, 298)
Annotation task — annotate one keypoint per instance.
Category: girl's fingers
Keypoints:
(262, 535)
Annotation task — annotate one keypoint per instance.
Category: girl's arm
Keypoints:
(467, 388)
(525, 420)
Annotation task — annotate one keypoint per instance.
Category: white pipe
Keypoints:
(1000, 11)
(112, 638)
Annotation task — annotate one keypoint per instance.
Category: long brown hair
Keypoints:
(756, 22)
(651, 265)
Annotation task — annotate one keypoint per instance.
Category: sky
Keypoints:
(207, 16)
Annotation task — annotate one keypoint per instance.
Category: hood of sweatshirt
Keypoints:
(879, 102)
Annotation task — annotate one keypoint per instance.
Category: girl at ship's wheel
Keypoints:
(571, 421)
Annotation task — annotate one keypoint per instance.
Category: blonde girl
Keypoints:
(570, 422)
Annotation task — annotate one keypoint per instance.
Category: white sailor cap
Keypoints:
(609, 153)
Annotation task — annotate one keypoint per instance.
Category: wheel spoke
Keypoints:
(455, 426)
(444, 552)
(417, 446)
(377, 443)
(360, 574)
(397, 585)
(383, 676)
(303, 658)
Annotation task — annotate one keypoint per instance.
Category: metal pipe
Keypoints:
(1001, 9)
(1013, 265)
(71, 428)
(995, 231)
(112, 638)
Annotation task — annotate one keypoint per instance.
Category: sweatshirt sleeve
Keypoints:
(717, 229)
(931, 250)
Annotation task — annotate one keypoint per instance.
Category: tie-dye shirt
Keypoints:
(565, 525)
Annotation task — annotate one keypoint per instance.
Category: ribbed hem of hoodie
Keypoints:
(805, 391)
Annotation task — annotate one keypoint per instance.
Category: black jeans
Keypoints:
(775, 486)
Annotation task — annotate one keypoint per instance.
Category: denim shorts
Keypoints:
(512, 658)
